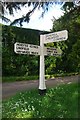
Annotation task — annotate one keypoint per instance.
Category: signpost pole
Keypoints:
(42, 86)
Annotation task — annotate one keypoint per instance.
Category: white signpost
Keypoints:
(50, 51)
(22, 48)
(55, 37)
(48, 38)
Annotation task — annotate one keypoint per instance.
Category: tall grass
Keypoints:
(59, 102)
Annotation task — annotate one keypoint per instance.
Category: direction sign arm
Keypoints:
(56, 36)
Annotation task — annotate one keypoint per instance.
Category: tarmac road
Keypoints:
(10, 89)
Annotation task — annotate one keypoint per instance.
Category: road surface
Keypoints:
(10, 89)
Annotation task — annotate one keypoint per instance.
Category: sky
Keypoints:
(36, 21)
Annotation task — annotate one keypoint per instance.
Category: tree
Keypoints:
(14, 64)
(11, 6)
(70, 61)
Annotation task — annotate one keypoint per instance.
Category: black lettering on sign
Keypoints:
(27, 52)
(18, 51)
(33, 46)
(49, 50)
(52, 36)
(17, 44)
(48, 53)
(61, 38)
(54, 54)
(54, 48)
(55, 51)
(35, 53)
(20, 44)
(26, 45)
(26, 48)
(19, 48)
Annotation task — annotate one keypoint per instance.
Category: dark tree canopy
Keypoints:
(11, 6)
(70, 60)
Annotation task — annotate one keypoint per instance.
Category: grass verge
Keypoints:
(19, 78)
(59, 102)
(60, 75)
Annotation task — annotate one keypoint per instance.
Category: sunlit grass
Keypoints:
(59, 102)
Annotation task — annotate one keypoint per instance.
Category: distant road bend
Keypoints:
(10, 89)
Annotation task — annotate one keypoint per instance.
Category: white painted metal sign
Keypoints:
(55, 37)
(22, 48)
(50, 51)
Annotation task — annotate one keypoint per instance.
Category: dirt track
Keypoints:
(10, 89)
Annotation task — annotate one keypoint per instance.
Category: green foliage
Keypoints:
(70, 60)
(19, 78)
(14, 64)
(59, 102)
(50, 65)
